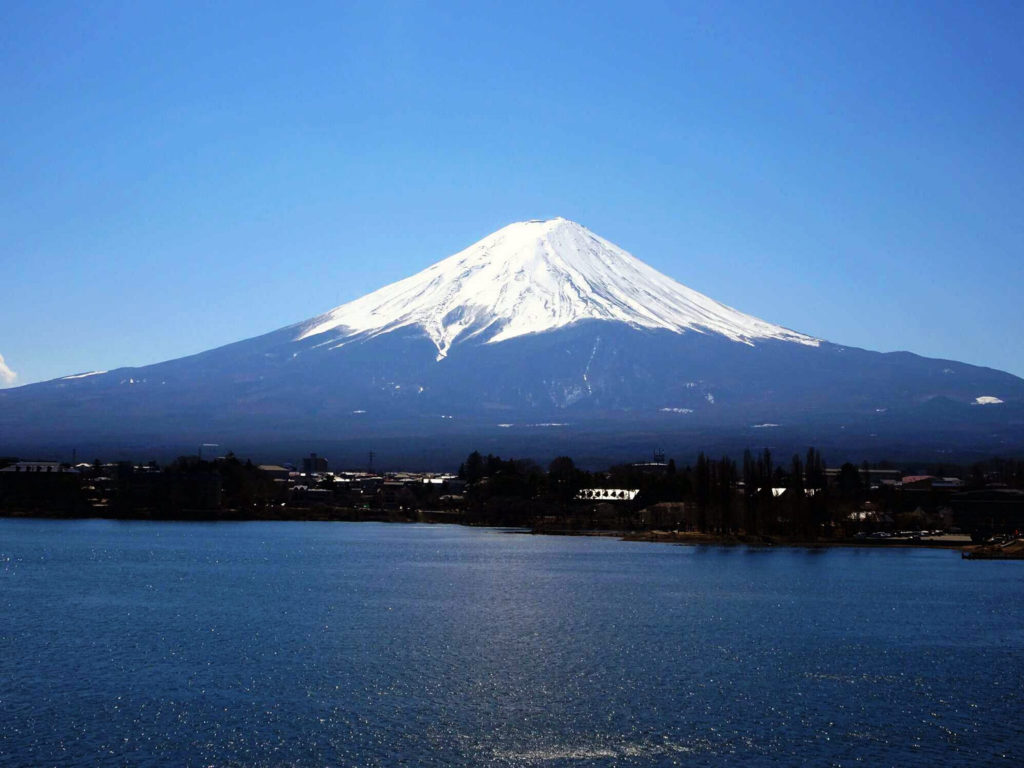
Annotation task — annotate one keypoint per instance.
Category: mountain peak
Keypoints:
(535, 276)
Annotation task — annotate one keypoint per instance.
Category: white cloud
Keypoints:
(7, 376)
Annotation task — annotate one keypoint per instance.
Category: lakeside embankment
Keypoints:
(1010, 549)
(688, 538)
(695, 538)
(943, 541)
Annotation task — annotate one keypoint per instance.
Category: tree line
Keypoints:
(760, 495)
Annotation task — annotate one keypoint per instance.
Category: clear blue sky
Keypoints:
(178, 176)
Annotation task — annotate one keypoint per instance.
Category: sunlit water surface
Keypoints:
(319, 644)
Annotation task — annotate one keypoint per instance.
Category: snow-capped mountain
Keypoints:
(532, 277)
(542, 338)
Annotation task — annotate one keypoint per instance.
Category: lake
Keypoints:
(364, 644)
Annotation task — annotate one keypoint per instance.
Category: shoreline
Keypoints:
(960, 542)
(690, 538)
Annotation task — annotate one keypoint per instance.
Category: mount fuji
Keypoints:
(535, 277)
(541, 338)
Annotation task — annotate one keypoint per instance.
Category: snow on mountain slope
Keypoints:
(536, 276)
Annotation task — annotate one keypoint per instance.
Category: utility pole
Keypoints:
(372, 454)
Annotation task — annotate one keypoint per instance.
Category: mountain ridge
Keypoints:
(462, 353)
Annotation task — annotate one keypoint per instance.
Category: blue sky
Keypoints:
(178, 176)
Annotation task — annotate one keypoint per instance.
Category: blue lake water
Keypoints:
(320, 644)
